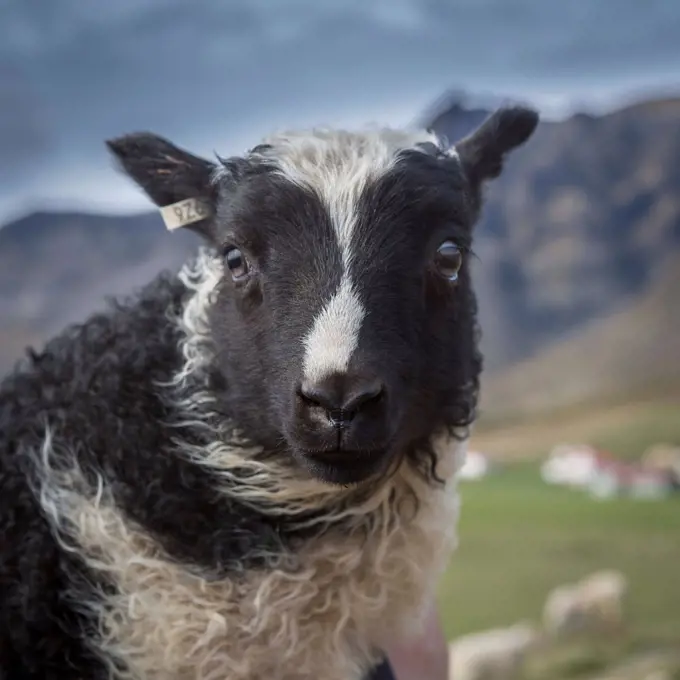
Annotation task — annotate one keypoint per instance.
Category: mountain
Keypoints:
(575, 255)
(634, 349)
(56, 268)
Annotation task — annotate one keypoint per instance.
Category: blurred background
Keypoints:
(575, 466)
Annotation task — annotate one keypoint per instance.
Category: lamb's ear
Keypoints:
(482, 153)
(178, 182)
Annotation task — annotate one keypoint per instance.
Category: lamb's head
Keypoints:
(343, 319)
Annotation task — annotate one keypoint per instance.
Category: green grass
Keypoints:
(519, 538)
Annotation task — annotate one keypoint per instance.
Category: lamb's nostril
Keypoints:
(312, 397)
(363, 395)
(340, 396)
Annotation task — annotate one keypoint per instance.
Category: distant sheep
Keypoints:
(496, 654)
(593, 605)
(247, 470)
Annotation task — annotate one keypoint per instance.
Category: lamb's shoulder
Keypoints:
(103, 370)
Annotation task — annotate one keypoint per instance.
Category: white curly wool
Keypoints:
(318, 614)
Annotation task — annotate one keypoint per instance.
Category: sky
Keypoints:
(214, 75)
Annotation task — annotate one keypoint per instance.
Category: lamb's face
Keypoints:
(345, 284)
(343, 318)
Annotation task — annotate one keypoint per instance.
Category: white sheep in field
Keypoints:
(496, 654)
(594, 604)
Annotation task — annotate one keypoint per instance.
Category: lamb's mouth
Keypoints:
(344, 466)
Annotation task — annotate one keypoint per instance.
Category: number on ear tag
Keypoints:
(184, 212)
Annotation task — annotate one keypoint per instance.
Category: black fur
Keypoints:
(98, 385)
(484, 151)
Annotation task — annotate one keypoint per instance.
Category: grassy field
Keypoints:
(519, 537)
(626, 428)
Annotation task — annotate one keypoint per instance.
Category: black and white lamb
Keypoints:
(247, 470)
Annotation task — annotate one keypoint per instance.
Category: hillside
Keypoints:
(636, 348)
(56, 268)
(573, 254)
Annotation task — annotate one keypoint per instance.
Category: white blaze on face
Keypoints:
(338, 165)
(335, 334)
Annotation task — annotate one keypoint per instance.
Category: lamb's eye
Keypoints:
(236, 263)
(448, 260)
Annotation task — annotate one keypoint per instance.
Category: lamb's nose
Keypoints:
(341, 396)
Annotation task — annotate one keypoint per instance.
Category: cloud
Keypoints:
(24, 132)
(214, 73)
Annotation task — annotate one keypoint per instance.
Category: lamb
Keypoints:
(247, 469)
